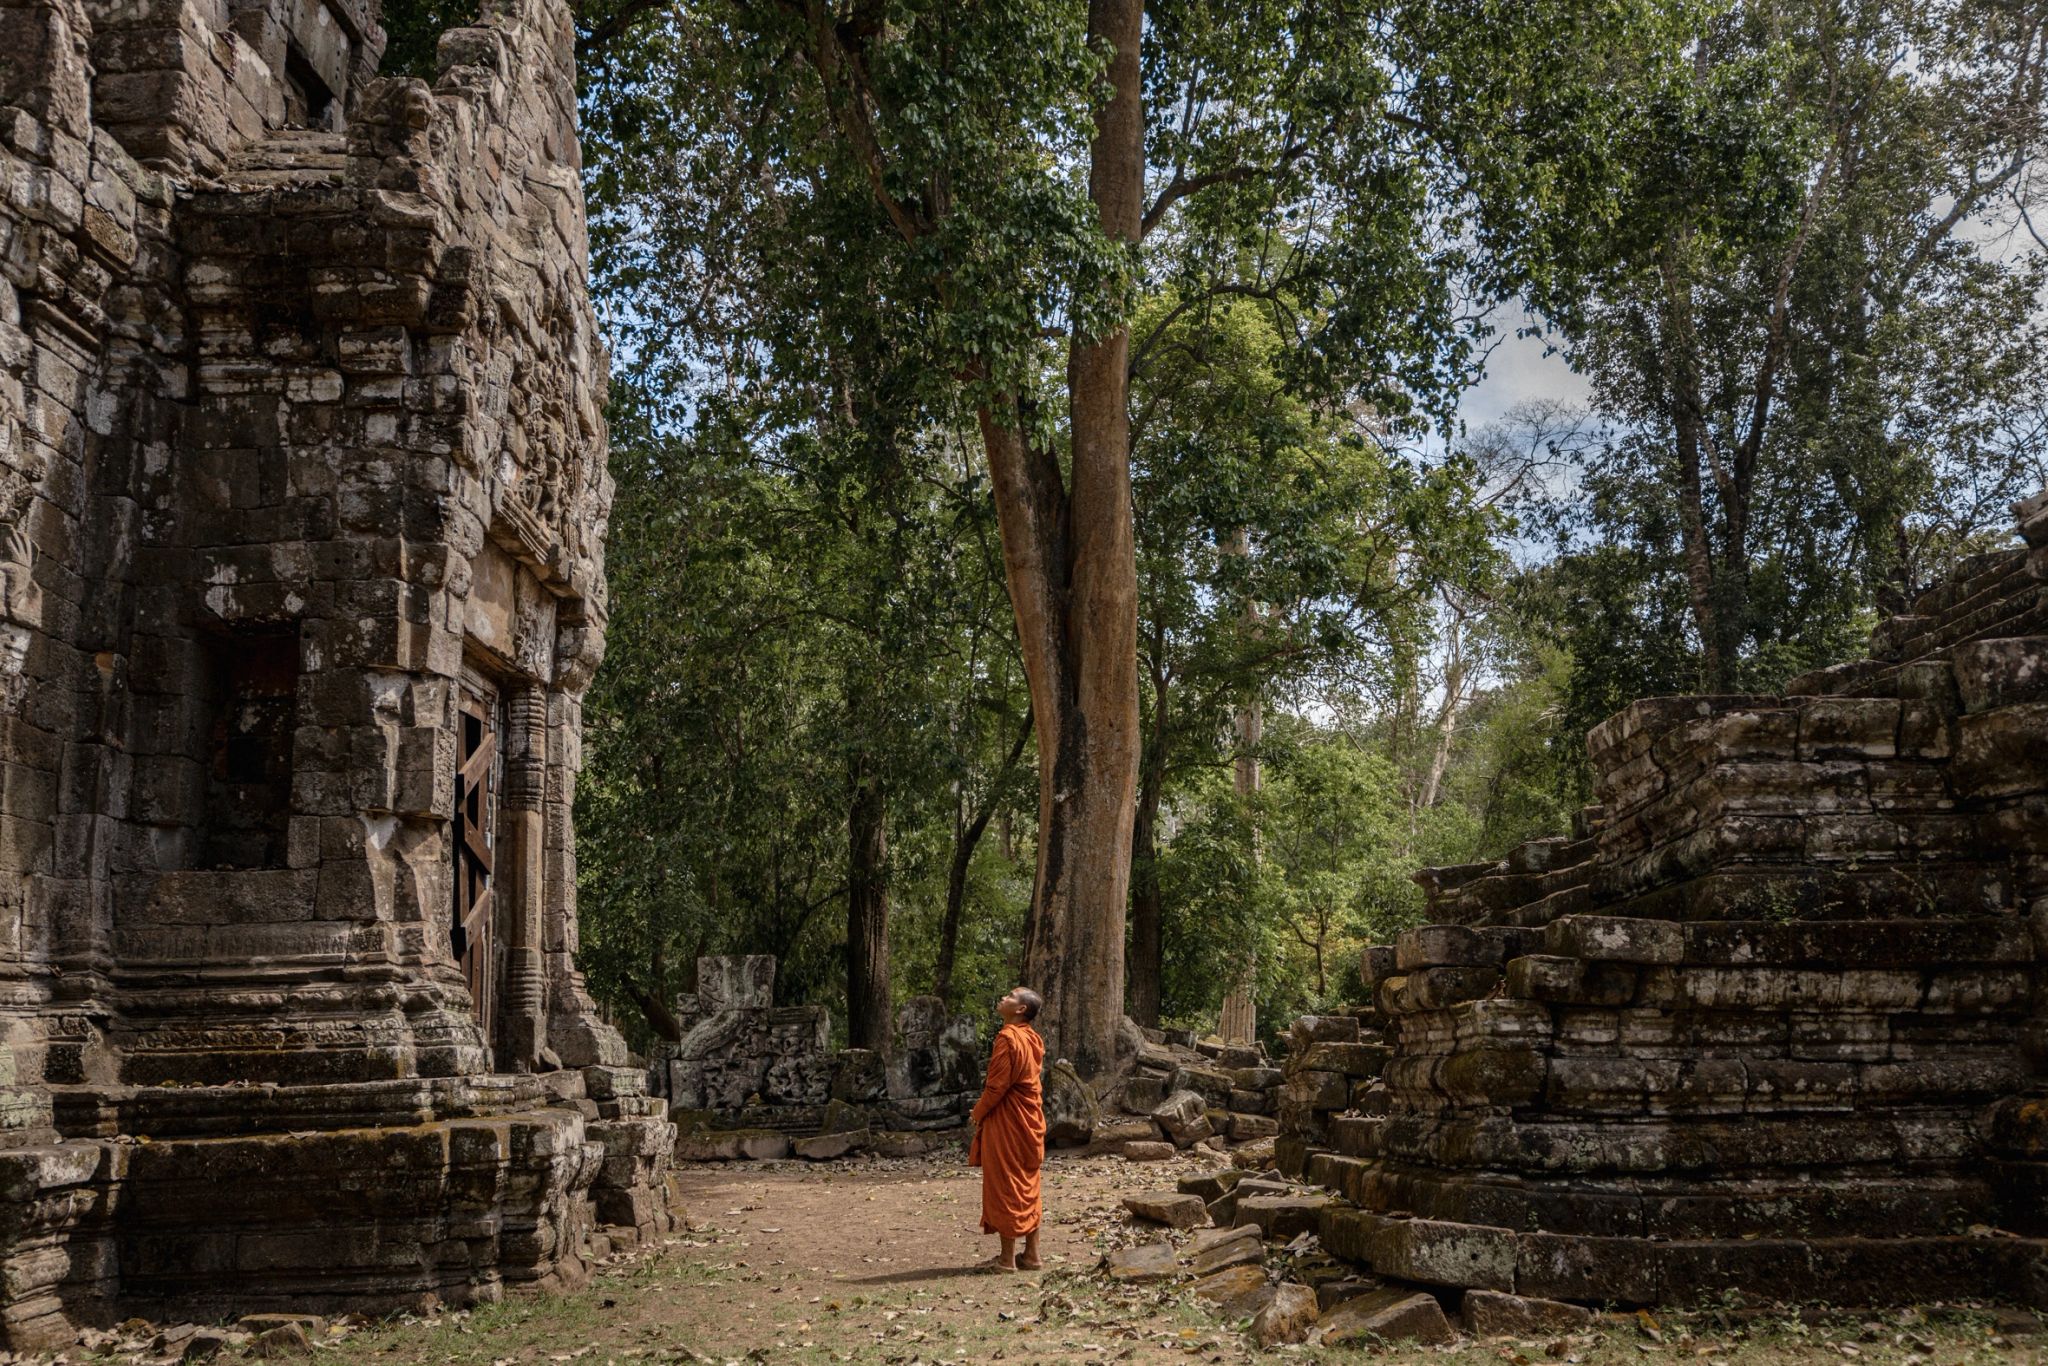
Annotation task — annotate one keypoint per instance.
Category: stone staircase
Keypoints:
(1772, 1022)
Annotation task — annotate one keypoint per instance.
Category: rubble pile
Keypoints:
(1773, 1021)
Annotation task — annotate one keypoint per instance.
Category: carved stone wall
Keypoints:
(1774, 1022)
(301, 455)
(744, 1063)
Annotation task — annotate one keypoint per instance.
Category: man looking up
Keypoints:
(1009, 1133)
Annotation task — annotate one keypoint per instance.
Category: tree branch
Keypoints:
(1181, 186)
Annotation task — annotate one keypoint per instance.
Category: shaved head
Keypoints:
(1030, 1000)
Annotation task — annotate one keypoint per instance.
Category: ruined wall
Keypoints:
(1775, 1021)
(302, 493)
(747, 1076)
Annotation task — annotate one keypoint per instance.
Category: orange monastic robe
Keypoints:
(1009, 1133)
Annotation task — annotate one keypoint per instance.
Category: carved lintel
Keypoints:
(520, 533)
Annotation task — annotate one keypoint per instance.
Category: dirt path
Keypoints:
(866, 1261)
(859, 1261)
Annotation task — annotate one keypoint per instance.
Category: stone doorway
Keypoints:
(479, 768)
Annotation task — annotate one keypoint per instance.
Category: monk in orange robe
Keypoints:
(1009, 1133)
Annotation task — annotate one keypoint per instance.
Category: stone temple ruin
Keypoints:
(751, 1079)
(302, 498)
(1775, 1022)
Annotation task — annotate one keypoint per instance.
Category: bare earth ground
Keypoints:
(864, 1261)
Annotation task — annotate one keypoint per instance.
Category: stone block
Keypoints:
(1212, 1084)
(1615, 939)
(1214, 1250)
(1184, 1118)
(1436, 1252)
(1490, 1313)
(1439, 946)
(1169, 1208)
(1280, 1216)
(1247, 1128)
(1143, 1094)
(1286, 1317)
(1144, 1264)
(825, 1147)
(1393, 1314)
(1141, 1151)
(1310, 1029)
(1350, 1059)
(1210, 1185)
(1236, 1291)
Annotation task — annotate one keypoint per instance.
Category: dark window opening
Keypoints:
(308, 103)
(249, 750)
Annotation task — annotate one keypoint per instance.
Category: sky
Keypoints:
(1517, 372)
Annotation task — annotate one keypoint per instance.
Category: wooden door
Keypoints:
(476, 827)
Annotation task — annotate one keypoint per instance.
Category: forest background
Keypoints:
(1787, 246)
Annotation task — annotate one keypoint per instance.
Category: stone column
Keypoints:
(524, 1028)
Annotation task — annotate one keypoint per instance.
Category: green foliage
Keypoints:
(413, 29)
(1816, 356)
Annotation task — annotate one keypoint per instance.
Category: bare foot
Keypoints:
(998, 1264)
(1029, 1264)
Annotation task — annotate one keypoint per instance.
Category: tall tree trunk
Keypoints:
(1072, 574)
(967, 833)
(1447, 714)
(867, 911)
(1240, 1018)
(1147, 933)
(1239, 1022)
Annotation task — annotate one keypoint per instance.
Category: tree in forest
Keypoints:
(1816, 353)
(1376, 175)
(1278, 545)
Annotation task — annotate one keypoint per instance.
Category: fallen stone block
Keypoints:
(1235, 1291)
(825, 1147)
(1394, 1314)
(1490, 1313)
(1184, 1117)
(1285, 1317)
(1246, 1251)
(1310, 1029)
(284, 1340)
(1281, 1216)
(1143, 1094)
(1143, 1264)
(1169, 1208)
(1257, 1155)
(763, 1145)
(1212, 1084)
(1126, 1131)
(1210, 1185)
(1144, 1150)
(708, 1147)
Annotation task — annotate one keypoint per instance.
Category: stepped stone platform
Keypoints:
(302, 504)
(1773, 1020)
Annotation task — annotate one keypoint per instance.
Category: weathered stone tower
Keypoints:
(1776, 1023)
(302, 501)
